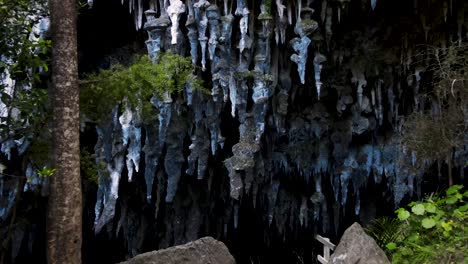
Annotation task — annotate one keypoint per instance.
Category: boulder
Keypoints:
(205, 250)
(356, 247)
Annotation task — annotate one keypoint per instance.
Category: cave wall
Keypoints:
(301, 132)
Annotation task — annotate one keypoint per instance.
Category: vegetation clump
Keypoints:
(135, 84)
(430, 231)
(439, 126)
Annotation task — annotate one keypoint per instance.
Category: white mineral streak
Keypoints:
(175, 9)
(280, 8)
(125, 119)
(226, 9)
(445, 10)
(232, 94)
(130, 5)
(318, 60)
(358, 77)
(139, 15)
(289, 9)
(280, 32)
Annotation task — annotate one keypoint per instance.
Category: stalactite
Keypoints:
(300, 45)
(281, 24)
(192, 33)
(139, 16)
(9, 198)
(373, 4)
(174, 154)
(212, 13)
(152, 152)
(304, 27)
(202, 23)
(175, 9)
(212, 115)
(358, 77)
(243, 11)
(156, 28)
(110, 151)
(318, 60)
(33, 181)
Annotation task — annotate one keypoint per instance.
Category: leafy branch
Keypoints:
(136, 84)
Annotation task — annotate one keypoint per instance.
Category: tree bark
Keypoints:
(64, 216)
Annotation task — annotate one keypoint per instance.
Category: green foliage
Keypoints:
(81, 4)
(45, 172)
(40, 149)
(385, 231)
(101, 92)
(268, 6)
(21, 55)
(88, 167)
(434, 230)
(23, 59)
(34, 114)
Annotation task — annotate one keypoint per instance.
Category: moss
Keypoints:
(264, 16)
(248, 75)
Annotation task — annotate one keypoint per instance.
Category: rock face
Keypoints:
(205, 250)
(357, 247)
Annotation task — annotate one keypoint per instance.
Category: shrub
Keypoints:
(102, 91)
(434, 230)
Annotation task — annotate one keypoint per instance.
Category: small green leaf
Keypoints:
(418, 209)
(430, 208)
(406, 252)
(403, 214)
(413, 237)
(454, 189)
(428, 223)
(46, 172)
(463, 208)
(446, 226)
(451, 200)
(391, 246)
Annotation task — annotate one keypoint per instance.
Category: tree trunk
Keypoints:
(64, 216)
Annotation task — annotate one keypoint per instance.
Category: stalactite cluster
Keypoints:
(314, 92)
(361, 75)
